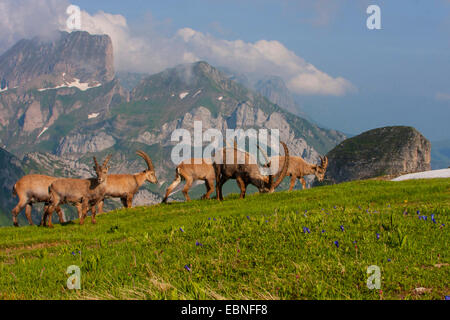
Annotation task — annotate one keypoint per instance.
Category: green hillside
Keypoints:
(276, 246)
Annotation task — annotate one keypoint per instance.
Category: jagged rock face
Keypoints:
(78, 55)
(81, 143)
(384, 151)
(274, 89)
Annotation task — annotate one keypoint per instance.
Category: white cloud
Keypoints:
(153, 52)
(27, 19)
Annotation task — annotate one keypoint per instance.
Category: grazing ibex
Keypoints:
(30, 189)
(125, 186)
(191, 171)
(246, 173)
(80, 192)
(298, 168)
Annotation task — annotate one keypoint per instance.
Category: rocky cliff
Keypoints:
(379, 152)
(72, 57)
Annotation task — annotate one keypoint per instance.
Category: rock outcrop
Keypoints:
(385, 151)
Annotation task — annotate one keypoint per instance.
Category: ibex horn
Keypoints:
(147, 159)
(96, 163)
(264, 154)
(107, 160)
(283, 170)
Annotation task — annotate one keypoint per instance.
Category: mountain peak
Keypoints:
(76, 55)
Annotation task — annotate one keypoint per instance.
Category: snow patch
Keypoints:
(3, 90)
(442, 173)
(83, 86)
(220, 98)
(42, 132)
(197, 93)
(93, 115)
(183, 95)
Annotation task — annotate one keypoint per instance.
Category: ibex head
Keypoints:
(150, 173)
(102, 171)
(320, 170)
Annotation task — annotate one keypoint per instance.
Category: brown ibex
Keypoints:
(191, 171)
(246, 173)
(30, 189)
(80, 192)
(298, 168)
(125, 186)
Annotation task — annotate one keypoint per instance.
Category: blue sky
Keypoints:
(401, 73)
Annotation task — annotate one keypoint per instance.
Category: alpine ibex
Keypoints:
(246, 173)
(80, 192)
(125, 186)
(298, 168)
(191, 171)
(30, 189)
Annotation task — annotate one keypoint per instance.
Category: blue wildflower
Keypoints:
(323, 231)
(181, 229)
(198, 244)
(432, 218)
(378, 236)
(73, 253)
(334, 207)
(214, 219)
(418, 211)
(187, 268)
(336, 243)
(248, 217)
(447, 297)
(354, 242)
(342, 228)
(306, 230)
(389, 260)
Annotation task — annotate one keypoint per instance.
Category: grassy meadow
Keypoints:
(308, 244)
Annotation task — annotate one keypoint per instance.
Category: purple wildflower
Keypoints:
(187, 268)
(432, 218)
(198, 244)
(306, 230)
(378, 236)
(342, 228)
(181, 229)
(323, 231)
(336, 243)
(389, 260)
(73, 253)
(447, 297)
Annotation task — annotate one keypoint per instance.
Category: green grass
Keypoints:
(141, 253)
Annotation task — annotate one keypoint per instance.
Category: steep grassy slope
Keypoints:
(278, 246)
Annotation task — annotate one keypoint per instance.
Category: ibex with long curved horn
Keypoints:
(246, 173)
(83, 193)
(125, 186)
(298, 168)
